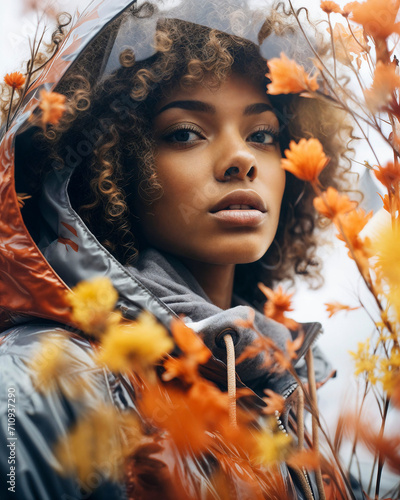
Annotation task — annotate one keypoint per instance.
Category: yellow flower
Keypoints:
(53, 368)
(365, 362)
(386, 246)
(142, 342)
(94, 445)
(50, 362)
(92, 303)
(271, 447)
(390, 371)
(387, 265)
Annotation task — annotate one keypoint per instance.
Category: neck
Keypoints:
(215, 280)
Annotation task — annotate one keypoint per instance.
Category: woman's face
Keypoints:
(218, 161)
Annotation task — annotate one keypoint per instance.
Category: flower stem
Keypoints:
(9, 109)
(333, 46)
(315, 418)
(381, 460)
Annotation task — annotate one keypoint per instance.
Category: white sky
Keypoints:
(341, 280)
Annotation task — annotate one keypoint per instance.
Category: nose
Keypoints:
(236, 160)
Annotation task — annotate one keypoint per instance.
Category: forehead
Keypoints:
(236, 92)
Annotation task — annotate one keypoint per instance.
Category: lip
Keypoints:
(240, 217)
(248, 218)
(240, 197)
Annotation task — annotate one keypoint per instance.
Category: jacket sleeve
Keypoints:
(32, 421)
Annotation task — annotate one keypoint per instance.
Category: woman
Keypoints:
(164, 175)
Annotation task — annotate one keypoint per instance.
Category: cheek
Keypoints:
(185, 180)
(177, 205)
(274, 181)
(281, 186)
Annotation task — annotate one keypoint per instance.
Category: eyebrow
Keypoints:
(193, 105)
(190, 105)
(257, 109)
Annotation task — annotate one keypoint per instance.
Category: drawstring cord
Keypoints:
(231, 376)
(300, 418)
(315, 417)
(231, 372)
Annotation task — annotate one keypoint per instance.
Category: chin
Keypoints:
(242, 255)
(247, 258)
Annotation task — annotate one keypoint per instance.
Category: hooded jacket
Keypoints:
(37, 269)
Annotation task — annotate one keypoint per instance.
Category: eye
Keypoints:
(264, 137)
(183, 135)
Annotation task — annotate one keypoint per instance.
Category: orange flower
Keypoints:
(288, 77)
(190, 416)
(21, 197)
(376, 17)
(329, 7)
(292, 346)
(15, 80)
(169, 410)
(305, 160)
(390, 204)
(282, 362)
(275, 402)
(184, 368)
(278, 303)
(249, 322)
(352, 224)
(53, 106)
(348, 8)
(386, 202)
(261, 345)
(347, 43)
(284, 359)
(334, 307)
(388, 446)
(385, 82)
(389, 175)
(189, 342)
(194, 353)
(331, 203)
(211, 403)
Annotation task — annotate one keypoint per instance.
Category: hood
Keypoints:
(37, 269)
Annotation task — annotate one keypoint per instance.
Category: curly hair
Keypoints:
(111, 123)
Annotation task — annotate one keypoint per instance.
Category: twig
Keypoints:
(381, 459)
(315, 437)
(9, 109)
(333, 46)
